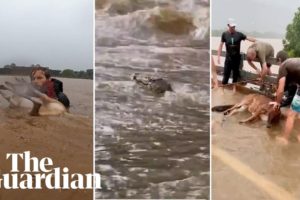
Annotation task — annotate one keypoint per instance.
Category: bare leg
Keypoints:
(289, 124)
(232, 112)
(254, 116)
(35, 109)
(298, 137)
(238, 108)
(226, 112)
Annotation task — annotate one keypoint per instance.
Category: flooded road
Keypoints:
(150, 146)
(254, 146)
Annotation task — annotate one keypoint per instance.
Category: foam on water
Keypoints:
(151, 140)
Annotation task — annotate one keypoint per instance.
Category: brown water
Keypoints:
(148, 146)
(68, 139)
(254, 145)
(79, 91)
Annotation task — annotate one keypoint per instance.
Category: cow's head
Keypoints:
(273, 117)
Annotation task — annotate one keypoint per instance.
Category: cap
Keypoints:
(231, 22)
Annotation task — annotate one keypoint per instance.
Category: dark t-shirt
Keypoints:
(232, 42)
(290, 69)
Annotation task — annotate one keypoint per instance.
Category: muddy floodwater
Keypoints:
(67, 139)
(79, 91)
(150, 146)
(255, 146)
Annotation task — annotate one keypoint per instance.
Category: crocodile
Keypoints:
(153, 82)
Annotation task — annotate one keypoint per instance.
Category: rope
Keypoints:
(239, 82)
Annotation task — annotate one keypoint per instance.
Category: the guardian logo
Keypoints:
(40, 174)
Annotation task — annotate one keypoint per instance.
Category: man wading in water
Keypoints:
(232, 40)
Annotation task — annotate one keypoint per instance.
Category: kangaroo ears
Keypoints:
(3, 87)
(133, 76)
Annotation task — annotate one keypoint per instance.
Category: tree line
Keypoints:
(13, 69)
(291, 42)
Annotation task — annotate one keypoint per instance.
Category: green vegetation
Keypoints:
(13, 69)
(68, 73)
(291, 42)
(218, 33)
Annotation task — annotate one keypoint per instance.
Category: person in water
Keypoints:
(53, 88)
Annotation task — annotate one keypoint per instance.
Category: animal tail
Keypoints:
(221, 108)
(133, 76)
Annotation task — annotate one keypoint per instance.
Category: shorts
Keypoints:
(295, 106)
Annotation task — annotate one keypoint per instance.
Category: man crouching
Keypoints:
(289, 74)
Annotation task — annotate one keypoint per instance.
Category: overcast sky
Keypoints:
(255, 15)
(53, 33)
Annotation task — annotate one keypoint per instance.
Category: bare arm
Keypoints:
(280, 90)
(45, 98)
(219, 51)
(264, 70)
(251, 39)
(253, 66)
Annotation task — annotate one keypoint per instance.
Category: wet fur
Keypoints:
(23, 95)
(258, 106)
